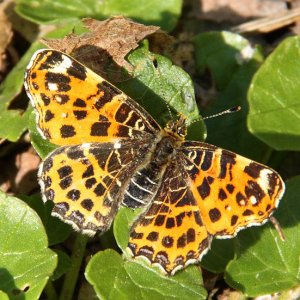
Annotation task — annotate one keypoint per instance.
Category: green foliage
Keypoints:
(256, 261)
(26, 262)
(163, 13)
(12, 122)
(274, 111)
(134, 281)
(232, 61)
(266, 264)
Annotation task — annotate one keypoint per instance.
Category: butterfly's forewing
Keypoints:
(75, 106)
(232, 192)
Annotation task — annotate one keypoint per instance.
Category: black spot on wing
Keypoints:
(61, 208)
(227, 160)
(66, 182)
(62, 81)
(170, 223)
(64, 171)
(79, 103)
(234, 219)
(80, 114)
(222, 194)
(61, 98)
(75, 153)
(45, 99)
(49, 194)
(214, 215)
(100, 128)
(167, 241)
(159, 220)
(89, 183)
(67, 131)
(48, 115)
(136, 235)
(77, 70)
(253, 189)
(73, 194)
(253, 169)
(153, 236)
(88, 172)
(207, 160)
(87, 204)
(204, 188)
(35, 86)
(53, 58)
(99, 189)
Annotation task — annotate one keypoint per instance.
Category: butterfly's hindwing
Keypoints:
(171, 233)
(86, 182)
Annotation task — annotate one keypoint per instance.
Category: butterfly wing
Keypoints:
(232, 192)
(205, 192)
(85, 182)
(75, 106)
(171, 232)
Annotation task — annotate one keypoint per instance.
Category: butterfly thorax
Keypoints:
(144, 184)
(177, 128)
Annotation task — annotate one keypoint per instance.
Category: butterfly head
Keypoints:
(177, 128)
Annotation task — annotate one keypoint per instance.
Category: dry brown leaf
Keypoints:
(107, 41)
(18, 172)
(235, 11)
(6, 35)
(27, 164)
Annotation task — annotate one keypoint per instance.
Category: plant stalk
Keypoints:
(76, 261)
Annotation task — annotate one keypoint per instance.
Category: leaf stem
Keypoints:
(267, 155)
(76, 260)
(50, 291)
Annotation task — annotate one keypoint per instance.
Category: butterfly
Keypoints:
(112, 153)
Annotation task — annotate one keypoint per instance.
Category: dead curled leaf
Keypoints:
(108, 41)
(236, 11)
(6, 35)
(18, 172)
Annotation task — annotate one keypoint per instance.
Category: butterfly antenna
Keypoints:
(225, 112)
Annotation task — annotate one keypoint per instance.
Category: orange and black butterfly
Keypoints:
(112, 153)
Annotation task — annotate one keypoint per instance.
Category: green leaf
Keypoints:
(130, 280)
(42, 147)
(122, 223)
(224, 53)
(63, 265)
(162, 13)
(219, 255)
(3, 296)
(274, 111)
(13, 122)
(57, 231)
(266, 264)
(26, 262)
(232, 62)
(185, 284)
(154, 86)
